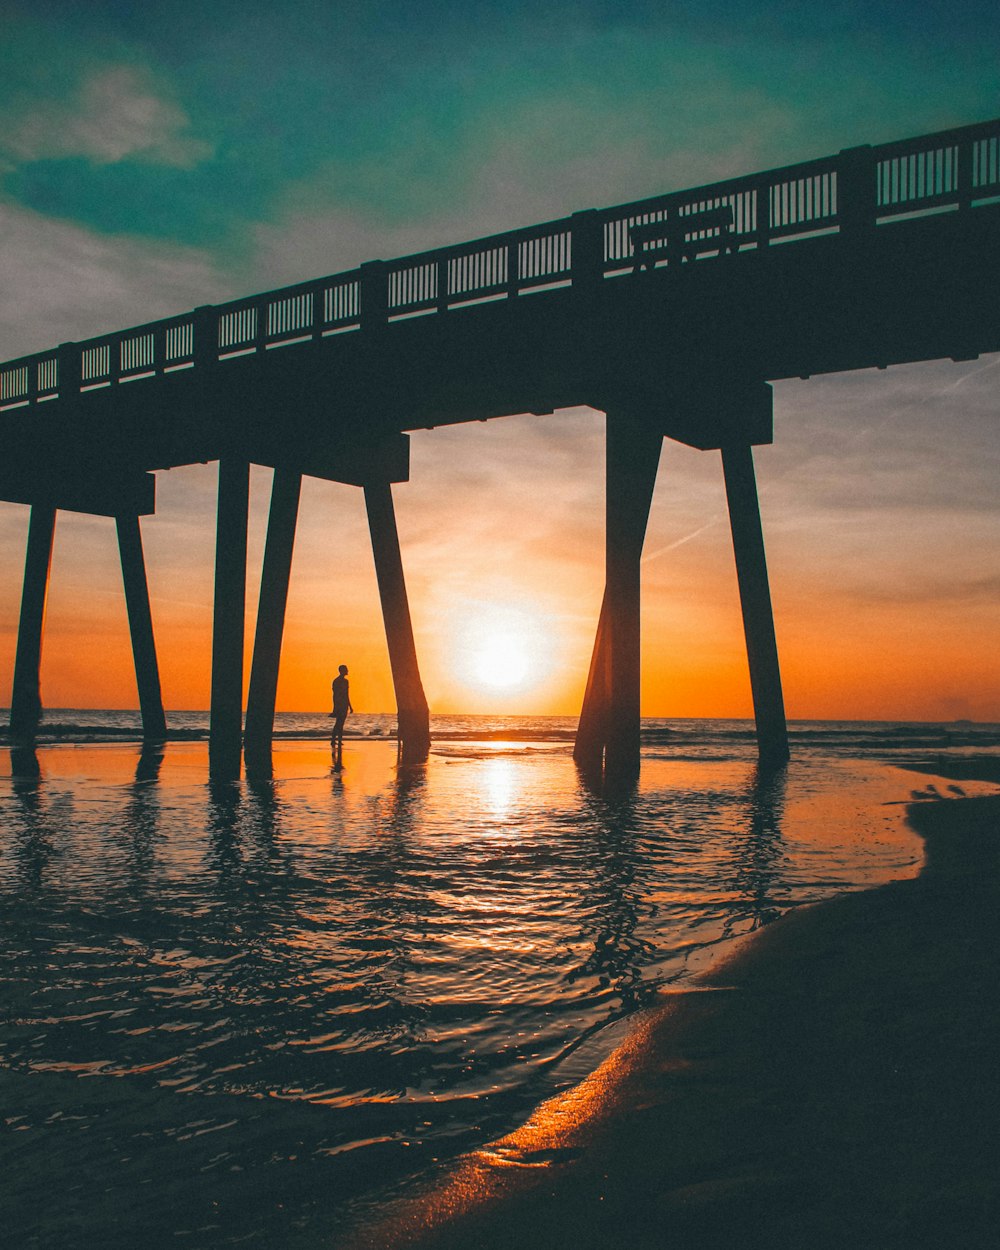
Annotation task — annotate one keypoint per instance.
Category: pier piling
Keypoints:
(633, 454)
(226, 715)
(412, 714)
(755, 601)
(286, 488)
(632, 458)
(140, 623)
(26, 698)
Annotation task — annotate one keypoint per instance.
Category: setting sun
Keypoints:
(501, 648)
(501, 662)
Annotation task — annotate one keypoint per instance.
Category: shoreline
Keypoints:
(830, 1083)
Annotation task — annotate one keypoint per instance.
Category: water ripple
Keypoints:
(362, 970)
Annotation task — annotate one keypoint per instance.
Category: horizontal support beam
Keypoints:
(132, 494)
(710, 418)
(387, 460)
(700, 411)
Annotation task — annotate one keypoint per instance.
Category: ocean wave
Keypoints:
(660, 737)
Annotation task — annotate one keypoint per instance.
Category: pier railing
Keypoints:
(854, 191)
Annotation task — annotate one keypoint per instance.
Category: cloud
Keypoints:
(114, 115)
(944, 587)
(534, 159)
(72, 284)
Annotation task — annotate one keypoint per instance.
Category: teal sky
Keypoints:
(159, 156)
(264, 143)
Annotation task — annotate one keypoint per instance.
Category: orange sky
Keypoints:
(883, 541)
(143, 174)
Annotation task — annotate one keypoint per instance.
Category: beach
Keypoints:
(482, 1004)
(833, 1082)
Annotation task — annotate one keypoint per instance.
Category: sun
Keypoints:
(502, 662)
(501, 648)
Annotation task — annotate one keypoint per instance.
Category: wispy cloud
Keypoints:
(115, 113)
(72, 283)
(934, 588)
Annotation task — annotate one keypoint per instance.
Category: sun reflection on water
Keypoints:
(499, 783)
(419, 948)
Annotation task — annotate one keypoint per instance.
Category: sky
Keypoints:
(154, 158)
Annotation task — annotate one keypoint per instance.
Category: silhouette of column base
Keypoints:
(226, 717)
(413, 735)
(592, 731)
(412, 714)
(610, 719)
(140, 621)
(755, 601)
(286, 488)
(26, 697)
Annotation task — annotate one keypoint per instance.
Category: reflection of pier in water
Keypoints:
(624, 893)
(259, 947)
(672, 315)
(758, 851)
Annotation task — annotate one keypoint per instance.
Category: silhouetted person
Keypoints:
(341, 707)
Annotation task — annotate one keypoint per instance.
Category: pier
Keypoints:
(672, 315)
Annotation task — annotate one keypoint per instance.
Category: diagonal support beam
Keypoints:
(286, 489)
(226, 715)
(592, 731)
(26, 698)
(755, 600)
(140, 622)
(412, 713)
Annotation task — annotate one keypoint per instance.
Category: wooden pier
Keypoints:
(672, 315)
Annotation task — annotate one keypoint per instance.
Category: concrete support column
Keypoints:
(411, 704)
(633, 454)
(226, 718)
(755, 599)
(26, 698)
(140, 623)
(286, 488)
(608, 732)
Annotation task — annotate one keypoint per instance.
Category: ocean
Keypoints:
(681, 738)
(246, 1013)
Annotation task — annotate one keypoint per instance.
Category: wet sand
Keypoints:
(834, 1083)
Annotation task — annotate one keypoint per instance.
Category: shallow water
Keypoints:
(231, 1014)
